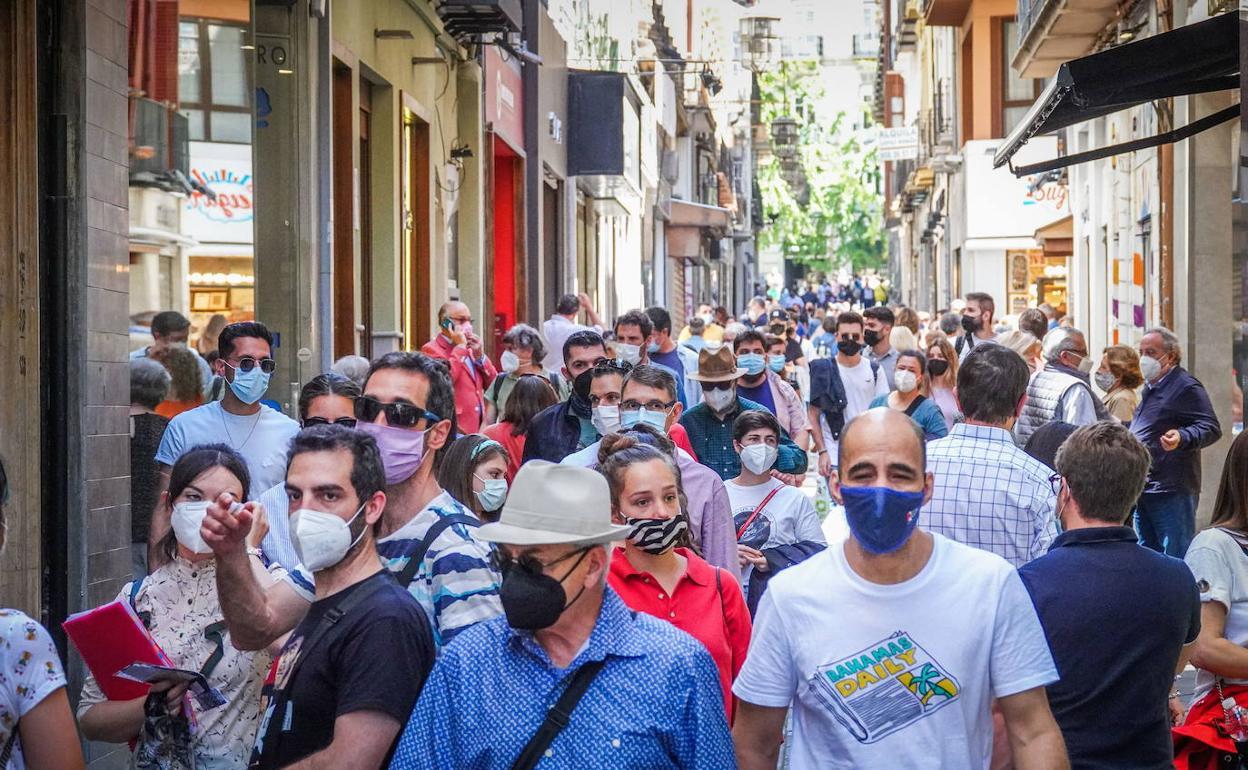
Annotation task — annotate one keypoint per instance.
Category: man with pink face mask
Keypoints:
(471, 370)
(424, 537)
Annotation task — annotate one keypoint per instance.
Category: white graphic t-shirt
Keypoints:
(789, 517)
(889, 676)
(29, 672)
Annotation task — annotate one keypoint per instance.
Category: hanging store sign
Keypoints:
(898, 143)
(225, 169)
(504, 92)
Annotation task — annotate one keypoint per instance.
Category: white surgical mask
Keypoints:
(630, 353)
(510, 361)
(719, 400)
(1150, 368)
(758, 458)
(606, 419)
(321, 539)
(187, 519)
(1105, 380)
(905, 381)
(493, 495)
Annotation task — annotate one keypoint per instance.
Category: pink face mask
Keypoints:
(402, 450)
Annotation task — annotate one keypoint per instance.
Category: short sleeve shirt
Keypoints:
(263, 439)
(1221, 571)
(30, 671)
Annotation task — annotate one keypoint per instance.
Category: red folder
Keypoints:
(109, 638)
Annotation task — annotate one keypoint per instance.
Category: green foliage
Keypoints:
(842, 223)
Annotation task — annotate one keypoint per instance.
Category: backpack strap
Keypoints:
(498, 385)
(7, 752)
(418, 554)
(136, 584)
(558, 716)
(214, 633)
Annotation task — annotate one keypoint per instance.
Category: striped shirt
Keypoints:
(990, 494)
(455, 583)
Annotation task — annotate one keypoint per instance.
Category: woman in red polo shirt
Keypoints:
(656, 571)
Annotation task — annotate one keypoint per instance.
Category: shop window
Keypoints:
(214, 80)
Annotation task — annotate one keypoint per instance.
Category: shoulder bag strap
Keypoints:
(214, 633)
(437, 528)
(914, 407)
(498, 385)
(758, 510)
(558, 716)
(7, 752)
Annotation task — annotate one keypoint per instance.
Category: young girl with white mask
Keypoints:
(178, 603)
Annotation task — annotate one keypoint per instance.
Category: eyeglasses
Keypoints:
(530, 564)
(1055, 483)
(247, 363)
(346, 422)
(632, 405)
(398, 415)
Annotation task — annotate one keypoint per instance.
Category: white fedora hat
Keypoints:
(555, 505)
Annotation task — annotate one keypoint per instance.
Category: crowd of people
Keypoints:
(598, 550)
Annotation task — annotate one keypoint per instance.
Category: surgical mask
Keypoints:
(321, 539)
(533, 601)
(776, 362)
(606, 419)
(719, 400)
(1105, 380)
(510, 361)
(187, 518)
(880, 518)
(849, 347)
(177, 345)
(465, 328)
(250, 386)
(753, 363)
(708, 319)
(402, 450)
(493, 495)
(656, 536)
(871, 337)
(1150, 368)
(758, 458)
(906, 382)
(630, 353)
(652, 348)
(656, 420)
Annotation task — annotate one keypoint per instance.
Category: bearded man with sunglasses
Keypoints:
(425, 537)
(260, 434)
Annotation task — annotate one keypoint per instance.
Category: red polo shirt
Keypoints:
(711, 611)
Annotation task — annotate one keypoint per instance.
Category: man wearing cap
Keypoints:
(709, 424)
(570, 674)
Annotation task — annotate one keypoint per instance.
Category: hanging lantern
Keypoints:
(760, 43)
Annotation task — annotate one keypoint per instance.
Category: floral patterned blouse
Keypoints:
(182, 600)
(30, 671)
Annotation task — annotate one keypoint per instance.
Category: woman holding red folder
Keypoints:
(34, 708)
(178, 603)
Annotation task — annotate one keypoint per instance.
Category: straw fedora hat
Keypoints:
(555, 505)
(718, 365)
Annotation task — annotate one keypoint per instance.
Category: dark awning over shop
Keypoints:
(1193, 59)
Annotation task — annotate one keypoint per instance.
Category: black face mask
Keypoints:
(936, 367)
(777, 330)
(579, 400)
(871, 337)
(849, 347)
(533, 601)
(971, 324)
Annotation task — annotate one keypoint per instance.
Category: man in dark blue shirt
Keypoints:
(1175, 420)
(1116, 614)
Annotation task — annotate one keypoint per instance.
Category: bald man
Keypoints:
(892, 646)
(471, 371)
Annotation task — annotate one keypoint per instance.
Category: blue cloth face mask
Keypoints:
(776, 363)
(656, 420)
(250, 386)
(753, 363)
(652, 348)
(881, 519)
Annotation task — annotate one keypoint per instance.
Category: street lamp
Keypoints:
(784, 136)
(760, 45)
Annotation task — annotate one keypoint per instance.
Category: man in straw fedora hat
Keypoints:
(709, 424)
(628, 690)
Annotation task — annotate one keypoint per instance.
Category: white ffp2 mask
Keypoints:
(321, 539)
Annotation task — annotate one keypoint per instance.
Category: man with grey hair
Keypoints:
(1061, 390)
(353, 367)
(149, 385)
(1175, 420)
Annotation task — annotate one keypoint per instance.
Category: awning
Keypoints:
(1057, 238)
(688, 214)
(1197, 58)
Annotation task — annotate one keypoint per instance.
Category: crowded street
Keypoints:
(623, 385)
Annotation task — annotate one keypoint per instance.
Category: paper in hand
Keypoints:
(206, 696)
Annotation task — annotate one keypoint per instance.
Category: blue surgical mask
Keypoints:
(494, 495)
(753, 363)
(250, 386)
(776, 363)
(656, 420)
(881, 519)
(652, 348)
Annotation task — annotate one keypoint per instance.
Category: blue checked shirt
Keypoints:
(655, 704)
(455, 583)
(990, 494)
(711, 438)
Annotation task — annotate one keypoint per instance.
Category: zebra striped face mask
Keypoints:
(656, 536)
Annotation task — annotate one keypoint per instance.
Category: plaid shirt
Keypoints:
(990, 494)
(712, 441)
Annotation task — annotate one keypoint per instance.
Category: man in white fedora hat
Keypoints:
(628, 690)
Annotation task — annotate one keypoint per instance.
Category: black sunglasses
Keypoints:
(346, 422)
(606, 365)
(723, 385)
(530, 564)
(247, 363)
(398, 415)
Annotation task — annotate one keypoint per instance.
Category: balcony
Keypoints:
(945, 13)
(159, 156)
(466, 19)
(1051, 32)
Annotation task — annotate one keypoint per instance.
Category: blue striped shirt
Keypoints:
(455, 583)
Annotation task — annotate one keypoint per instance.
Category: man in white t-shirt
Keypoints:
(766, 512)
(892, 647)
(861, 381)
